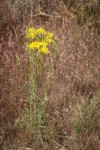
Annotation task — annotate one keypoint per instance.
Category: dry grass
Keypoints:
(74, 83)
(86, 12)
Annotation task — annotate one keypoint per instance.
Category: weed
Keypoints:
(38, 42)
(87, 115)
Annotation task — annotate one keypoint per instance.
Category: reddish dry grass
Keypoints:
(75, 74)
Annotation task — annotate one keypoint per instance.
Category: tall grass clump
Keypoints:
(87, 115)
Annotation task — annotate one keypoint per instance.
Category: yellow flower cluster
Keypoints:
(39, 39)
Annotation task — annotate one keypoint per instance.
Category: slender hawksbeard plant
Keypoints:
(38, 47)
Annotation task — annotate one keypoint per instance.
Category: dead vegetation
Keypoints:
(73, 121)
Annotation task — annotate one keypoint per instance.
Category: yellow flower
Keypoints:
(43, 44)
(49, 40)
(30, 33)
(40, 31)
(33, 45)
(36, 45)
(49, 37)
(39, 39)
(44, 50)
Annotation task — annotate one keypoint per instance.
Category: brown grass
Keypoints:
(74, 82)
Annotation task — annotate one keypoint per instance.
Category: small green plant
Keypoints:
(87, 115)
(38, 47)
